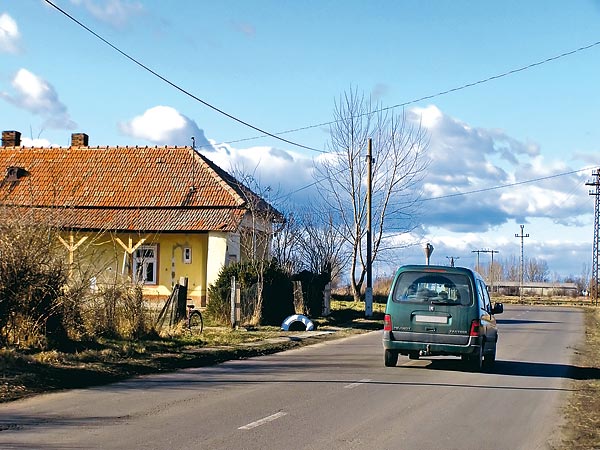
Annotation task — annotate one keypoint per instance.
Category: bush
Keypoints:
(277, 293)
(32, 278)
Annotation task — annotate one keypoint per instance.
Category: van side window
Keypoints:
(485, 298)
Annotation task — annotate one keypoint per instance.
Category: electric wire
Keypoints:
(502, 186)
(179, 88)
(441, 93)
(409, 102)
(277, 135)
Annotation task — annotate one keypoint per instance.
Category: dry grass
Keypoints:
(582, 412)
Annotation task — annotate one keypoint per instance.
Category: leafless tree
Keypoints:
(536, 270)
(399, 166)
(321, 247)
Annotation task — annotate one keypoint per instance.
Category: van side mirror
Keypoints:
(498, 308)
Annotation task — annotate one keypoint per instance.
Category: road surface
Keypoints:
(333, 395)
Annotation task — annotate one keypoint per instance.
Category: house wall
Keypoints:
(223, 249)
(104, 259)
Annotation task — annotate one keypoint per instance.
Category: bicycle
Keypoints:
(194, 320)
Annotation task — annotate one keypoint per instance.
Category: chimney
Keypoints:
(79, 140)
(11, 139)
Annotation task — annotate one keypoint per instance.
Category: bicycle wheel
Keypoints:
(195, 321)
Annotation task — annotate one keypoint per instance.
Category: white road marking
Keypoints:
(263, 421)
(358, 383)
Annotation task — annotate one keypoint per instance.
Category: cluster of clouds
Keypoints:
(463, 159)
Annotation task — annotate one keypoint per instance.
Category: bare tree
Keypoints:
(536, 270)
(399, 166)
(321, 248)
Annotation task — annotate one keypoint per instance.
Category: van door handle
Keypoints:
(430, 329)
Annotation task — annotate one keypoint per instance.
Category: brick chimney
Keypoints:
(79, 140)
(11, 139)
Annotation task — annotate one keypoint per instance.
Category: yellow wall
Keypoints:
(101, 256)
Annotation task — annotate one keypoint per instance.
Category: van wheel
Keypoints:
(390, 358)
(476, 360)
(489, 360)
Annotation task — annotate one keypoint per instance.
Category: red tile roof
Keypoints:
(124, 188)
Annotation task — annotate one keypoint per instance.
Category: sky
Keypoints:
(514, 150)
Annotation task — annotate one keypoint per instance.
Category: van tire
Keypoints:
(489, 360)
(476, 360)
(390, 358)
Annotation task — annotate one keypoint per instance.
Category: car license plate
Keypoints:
(431, 319)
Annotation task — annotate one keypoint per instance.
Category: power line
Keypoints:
(502, 186)
(176, 86)
(294, 130)
(442, 93)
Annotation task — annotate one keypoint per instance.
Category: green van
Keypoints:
(439, 310)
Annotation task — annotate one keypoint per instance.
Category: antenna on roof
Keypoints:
(193, 186)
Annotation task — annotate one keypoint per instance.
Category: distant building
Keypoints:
(536, 288)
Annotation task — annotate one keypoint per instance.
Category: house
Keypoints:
(153, 214)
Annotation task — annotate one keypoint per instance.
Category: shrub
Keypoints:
(277, 293)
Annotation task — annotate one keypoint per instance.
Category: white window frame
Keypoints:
(187, 255)
(145, 264)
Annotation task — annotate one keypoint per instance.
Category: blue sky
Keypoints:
(280, 65)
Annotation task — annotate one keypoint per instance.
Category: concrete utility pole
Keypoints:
(369, 289)
(452, 259)
(595, 250)
(521, 271)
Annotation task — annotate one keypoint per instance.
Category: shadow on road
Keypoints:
(521, 321)
(523, 368)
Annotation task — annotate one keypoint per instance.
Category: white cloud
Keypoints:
(114, 12)
(288, 174)
(9, 34)
(164, 125)
(465, 159)
(38, 96)
(38, 142)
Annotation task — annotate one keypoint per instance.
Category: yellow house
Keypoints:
(154, 214)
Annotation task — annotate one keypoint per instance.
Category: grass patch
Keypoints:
(582, 412)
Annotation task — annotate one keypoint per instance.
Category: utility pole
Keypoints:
(595, 250)
(452, 259)
(491, 272)
(369, 289)
(521, 271)
(478, 252)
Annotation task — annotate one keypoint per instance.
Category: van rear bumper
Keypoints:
(433, 344)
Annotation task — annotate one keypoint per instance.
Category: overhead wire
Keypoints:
(296, 144)
(176, 86)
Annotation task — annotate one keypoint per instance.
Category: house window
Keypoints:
(187, 255)
(144, 264)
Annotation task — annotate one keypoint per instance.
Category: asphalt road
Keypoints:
(333, 395)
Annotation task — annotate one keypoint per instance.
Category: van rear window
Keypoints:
(436, 288)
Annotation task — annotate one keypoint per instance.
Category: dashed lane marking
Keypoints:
(263, 421)
(358, 383)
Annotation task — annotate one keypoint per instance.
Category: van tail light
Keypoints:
(387, 323)
(475, 328)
